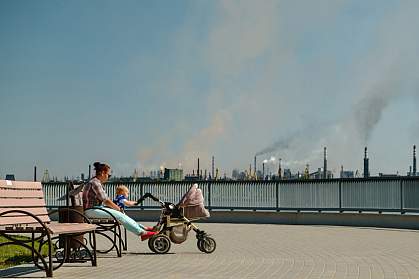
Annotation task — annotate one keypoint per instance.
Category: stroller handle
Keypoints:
(149, 195)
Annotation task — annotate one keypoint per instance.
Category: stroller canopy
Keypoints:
(193, 203)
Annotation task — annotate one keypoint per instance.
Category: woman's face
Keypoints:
(104, 175)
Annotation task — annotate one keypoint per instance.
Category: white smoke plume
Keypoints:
(263, 98)
(384, 77)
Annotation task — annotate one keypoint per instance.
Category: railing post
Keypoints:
(67, 194)
(141, 194)
(401, 196)
(277, 196)
(340, 195)
(209, 195)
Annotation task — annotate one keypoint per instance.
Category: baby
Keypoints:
(122, 201)
(121, 198)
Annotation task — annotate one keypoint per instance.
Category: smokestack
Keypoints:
(34, 173)
(263, 171)
(414, 160)
(197, 172)
(90, 170)
(212, 167)
(366, 163)
(254, 166)
(279, 169)
(250, 171)
(325, 163)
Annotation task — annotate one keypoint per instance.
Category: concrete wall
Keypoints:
(302, 218)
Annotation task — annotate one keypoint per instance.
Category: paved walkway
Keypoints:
(267, 251)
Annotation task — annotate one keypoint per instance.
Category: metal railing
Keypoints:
(396, 194)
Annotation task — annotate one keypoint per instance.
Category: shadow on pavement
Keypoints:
(19, 271)
(146, 254)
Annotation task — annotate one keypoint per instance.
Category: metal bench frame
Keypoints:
(117, 237)
(23, 212)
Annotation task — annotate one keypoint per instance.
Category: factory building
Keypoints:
(173, 174)
(321, 174)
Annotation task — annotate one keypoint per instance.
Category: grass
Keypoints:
(11, 255)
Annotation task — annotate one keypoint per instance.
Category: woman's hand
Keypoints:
(111, 204)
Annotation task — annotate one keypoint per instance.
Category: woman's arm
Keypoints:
(109, 203)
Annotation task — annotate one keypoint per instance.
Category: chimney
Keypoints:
(90, 170)
(414, 160)
(213, 167)
(325, 163)
(250, 171)
(197, 172)
(366, 163)
(254, 166)
(263, 171)
(34, 173)
(279, 169)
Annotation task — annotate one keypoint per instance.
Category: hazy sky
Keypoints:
(144, 84)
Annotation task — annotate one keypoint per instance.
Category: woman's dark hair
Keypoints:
(99, 167)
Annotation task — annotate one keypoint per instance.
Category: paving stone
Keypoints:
(267, 251)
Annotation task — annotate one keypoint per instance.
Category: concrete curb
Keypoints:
(298, 218)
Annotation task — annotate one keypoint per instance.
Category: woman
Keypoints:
(94, 196)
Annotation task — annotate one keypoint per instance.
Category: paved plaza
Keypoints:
(264, 251)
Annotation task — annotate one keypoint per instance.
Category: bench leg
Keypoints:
(125, 242)
(94, 260)
(117, 236)
(120, 241)
(50, 267)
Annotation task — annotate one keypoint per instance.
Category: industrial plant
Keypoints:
(269, 169)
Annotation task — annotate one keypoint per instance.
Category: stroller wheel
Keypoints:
(159, 244)
(206, 245)
(150, 245)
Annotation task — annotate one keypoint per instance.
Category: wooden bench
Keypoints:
(23, 212)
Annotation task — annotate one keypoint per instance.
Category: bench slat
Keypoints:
(20, 193)
(59, 228)
(20, 184)
(33, 210)
(25, 202)
(22, 220)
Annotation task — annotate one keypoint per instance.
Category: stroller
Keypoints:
(176, 221)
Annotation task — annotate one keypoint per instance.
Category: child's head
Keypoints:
(122, 190)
